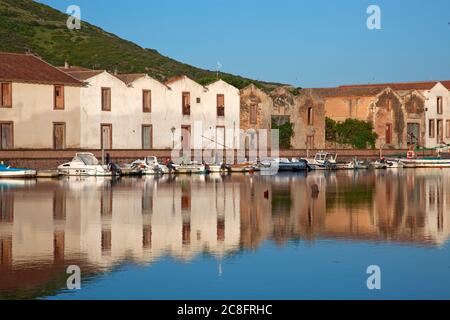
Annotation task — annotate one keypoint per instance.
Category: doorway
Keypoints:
(59, 136)
(106, 136)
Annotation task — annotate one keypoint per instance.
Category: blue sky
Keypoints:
(316, 43)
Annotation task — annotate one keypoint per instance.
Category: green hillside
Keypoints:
(28, 25)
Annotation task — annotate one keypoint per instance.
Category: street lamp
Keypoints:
(173, 137)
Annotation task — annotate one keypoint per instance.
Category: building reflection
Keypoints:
(99, 223)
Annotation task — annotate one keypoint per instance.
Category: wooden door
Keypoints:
(388, 133)
(147, 137)
(59, 136)
(6, 136)
(106, 136)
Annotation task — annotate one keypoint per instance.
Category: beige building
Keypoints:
(40, 105)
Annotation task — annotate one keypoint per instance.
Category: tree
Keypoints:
(357, 133)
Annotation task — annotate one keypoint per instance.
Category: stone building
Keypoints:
(403, 114)
(397, 115)
(259, 110)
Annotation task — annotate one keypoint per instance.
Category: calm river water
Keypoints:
(233, 237)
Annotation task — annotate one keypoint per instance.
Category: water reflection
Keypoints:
(101, 223)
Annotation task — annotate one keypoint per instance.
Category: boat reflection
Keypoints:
(100, 223)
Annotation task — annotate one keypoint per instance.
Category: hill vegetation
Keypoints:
(26, 25)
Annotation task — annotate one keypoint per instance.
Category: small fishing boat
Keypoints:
(379, 165)
(219, 168)
(394, 164)
(85, 164)
(242, 167)
(149, 166)
(323, 161)
(192, 168)
(8, 172)
(427, 162)
(356, 164)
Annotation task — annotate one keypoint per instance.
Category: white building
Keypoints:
(40, 105)
(43, 107)
(208, 114)
(437, 106)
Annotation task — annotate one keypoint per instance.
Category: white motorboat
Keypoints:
(84, 164)
(8, 172)
(323, 161)
(149, 166)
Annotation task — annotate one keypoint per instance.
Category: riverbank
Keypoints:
(50, 159)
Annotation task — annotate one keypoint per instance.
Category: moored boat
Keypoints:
(323, 161)
(84, 164)
(8, 172)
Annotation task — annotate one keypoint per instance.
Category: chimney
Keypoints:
(116, 72)
(66, 65)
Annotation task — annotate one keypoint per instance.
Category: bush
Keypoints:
(359, 134)
(286, 133)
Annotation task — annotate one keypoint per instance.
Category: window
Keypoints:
(6, 135)
(431, 128)
(147, 100)
(59, 136)
(220, 105)
(147, 137)
(186, 103)
(447, 126)
(310, 116)
(253, 114)
(58, 103)
(440, 107)
(6, 95)
(198, 100)
(106, 99)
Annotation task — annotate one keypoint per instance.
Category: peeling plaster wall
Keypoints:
(280, 102)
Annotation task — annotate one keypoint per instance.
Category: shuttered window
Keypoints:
(6, 95)
(59, 97)
(186, 103)
(106, 99)
(220, 105)
(147, 101)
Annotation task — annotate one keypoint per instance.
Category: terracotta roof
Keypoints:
(348, 91)
(27, 68)
(421, 85)
(85, 75)
(129, 78)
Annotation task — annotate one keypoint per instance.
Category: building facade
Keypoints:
(44, 107)
(263, 111)
(40, 105)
